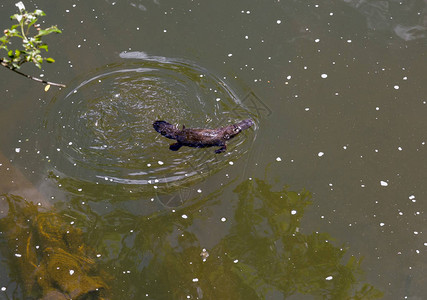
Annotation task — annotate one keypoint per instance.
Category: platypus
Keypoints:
(200, 138)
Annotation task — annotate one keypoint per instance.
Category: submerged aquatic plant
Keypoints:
(30, 32)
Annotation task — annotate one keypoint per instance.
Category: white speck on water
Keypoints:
(382, 224)
(317, 40)
(377, 108)
(236, 261)
(17, 150)
(218, 99)
(231, 163)
(164, 30)
(195, 279)
(405, 78)
(184, 216)
(98, 255)
(396, 87)
(160, 162)
(278, 159)
(425, 244)
(18, 255)
(344, 147)
(3, 288)
(329, 278)
(331, 14)
(230, 54)
(320, 154)
(293, 212)
(79, 190)
(383, 183)
(246, 37)
(223, 219)
(348, 41)
(399, 148)
(307, 109)
(279, 21)
(288, 77)
(71, 272)
(415, 232)
(199, 190)
(324, 75)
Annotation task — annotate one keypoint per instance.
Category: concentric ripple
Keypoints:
(102, 128)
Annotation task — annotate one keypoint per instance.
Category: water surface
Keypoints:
(338, 95)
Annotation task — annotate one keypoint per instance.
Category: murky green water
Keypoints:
(323, 198)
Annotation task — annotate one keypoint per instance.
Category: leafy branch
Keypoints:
(31, 34)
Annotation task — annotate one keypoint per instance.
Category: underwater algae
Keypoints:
(49, 256)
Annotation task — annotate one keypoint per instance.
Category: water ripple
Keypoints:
(102, 128)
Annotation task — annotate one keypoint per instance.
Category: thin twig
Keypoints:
(29, 76)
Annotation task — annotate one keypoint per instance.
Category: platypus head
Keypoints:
(234, 129)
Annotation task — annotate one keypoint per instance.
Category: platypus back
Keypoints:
(165, 129)
(199, 137)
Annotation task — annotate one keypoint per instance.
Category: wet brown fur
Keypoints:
(200, 138)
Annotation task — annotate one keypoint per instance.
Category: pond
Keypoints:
(323, 197)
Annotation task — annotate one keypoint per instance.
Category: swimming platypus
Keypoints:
(200, 138)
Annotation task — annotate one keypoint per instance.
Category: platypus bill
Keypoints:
(200, 138)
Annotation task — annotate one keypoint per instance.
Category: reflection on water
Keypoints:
(392, 15)
(370, 104)
(259, 251)
(101, 130)
(50, 258)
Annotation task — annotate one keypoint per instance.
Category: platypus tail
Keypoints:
(166, 129)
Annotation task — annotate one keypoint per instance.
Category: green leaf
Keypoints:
(39, 13)
(38, 65)
(43, 47)
(47, 31)
(17, 17)
(4, 39)
(10, 53)
(32, 22)
(50, 60)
